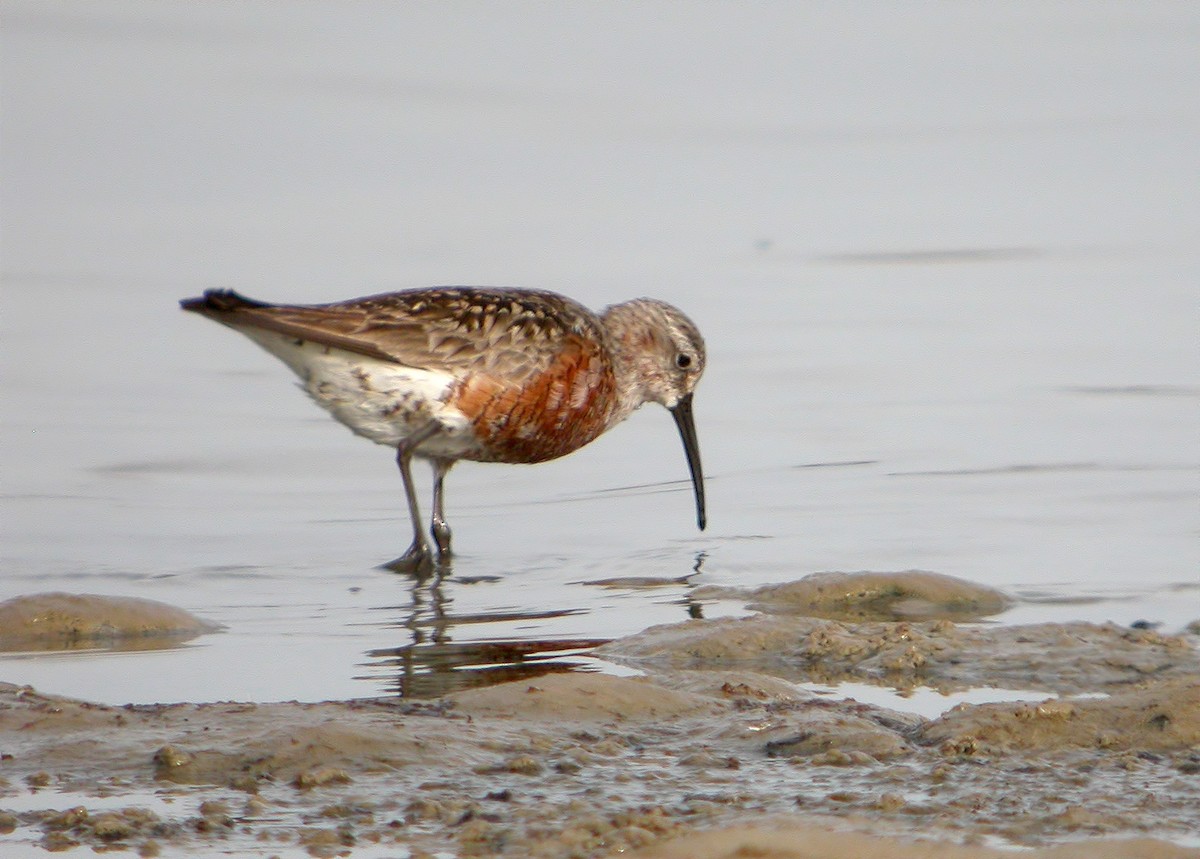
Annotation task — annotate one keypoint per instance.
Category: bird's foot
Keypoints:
(417, 560)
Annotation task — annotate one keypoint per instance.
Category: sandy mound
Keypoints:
(573, 698)
(53, 621)
(779, 839)
(1152, 718)
(1064, 658)
(911, 595)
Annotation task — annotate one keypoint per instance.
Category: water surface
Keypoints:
(944, 259)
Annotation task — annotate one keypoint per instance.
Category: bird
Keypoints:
(495, 374)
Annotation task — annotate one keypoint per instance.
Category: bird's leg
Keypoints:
(418, 557)
(439, 528)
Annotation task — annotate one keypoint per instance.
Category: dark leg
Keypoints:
(419, 557)
(439, 528)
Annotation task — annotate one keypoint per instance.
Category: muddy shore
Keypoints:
(715, 750)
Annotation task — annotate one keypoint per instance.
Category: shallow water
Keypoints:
(949, 292)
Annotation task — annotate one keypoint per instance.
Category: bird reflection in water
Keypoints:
(433, 664)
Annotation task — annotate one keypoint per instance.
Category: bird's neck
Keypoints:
(629, 335)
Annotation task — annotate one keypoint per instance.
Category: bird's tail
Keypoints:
(218, 302)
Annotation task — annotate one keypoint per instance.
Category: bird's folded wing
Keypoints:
(454, 330)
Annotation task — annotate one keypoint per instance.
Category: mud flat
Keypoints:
(717, 750)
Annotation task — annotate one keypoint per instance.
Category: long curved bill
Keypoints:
(682, 412)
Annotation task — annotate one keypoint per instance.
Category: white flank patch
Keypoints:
(379, 400)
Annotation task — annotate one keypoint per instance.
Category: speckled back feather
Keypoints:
(454, 330)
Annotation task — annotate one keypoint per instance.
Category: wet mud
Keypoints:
(715, 750)
(61, 621)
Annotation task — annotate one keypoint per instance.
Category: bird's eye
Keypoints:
(683, 360)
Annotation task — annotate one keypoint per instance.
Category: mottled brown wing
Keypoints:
(513, 333)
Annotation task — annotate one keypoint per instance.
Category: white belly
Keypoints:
(379, 400)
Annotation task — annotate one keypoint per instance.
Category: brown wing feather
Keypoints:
(506, 333)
